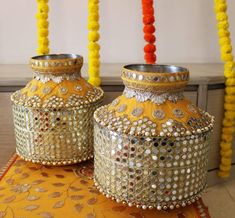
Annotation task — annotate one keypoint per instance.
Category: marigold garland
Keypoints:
(42, 24)
(149, 29)
(93, 46)
(229, 73)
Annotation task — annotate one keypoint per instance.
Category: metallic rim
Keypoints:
(56, 63)
(57, 57)
(155, 68)
(155, 77)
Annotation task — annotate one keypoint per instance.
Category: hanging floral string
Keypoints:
(229, 73)
(149, 29)
(42, 24)
(93, 46)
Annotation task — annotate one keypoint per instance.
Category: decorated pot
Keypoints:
(151, 143)
(53, 114)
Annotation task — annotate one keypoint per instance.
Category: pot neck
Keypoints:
(155, 78)
(57, 64)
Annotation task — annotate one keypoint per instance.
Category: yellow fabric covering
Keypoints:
(55, 87)
(149, 107)
(29, 191)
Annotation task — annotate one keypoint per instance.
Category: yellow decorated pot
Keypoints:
(151, 144)
(53, 113)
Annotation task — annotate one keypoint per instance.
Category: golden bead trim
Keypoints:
(161, 206)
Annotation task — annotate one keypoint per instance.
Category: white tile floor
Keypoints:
(220, 200)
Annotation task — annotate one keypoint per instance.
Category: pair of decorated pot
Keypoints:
(150, 144)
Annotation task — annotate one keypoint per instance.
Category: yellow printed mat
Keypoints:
(31, 191)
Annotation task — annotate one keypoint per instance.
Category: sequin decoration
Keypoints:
(178, 113)
(53, 102)
(146, 126)
(74, 100)
(53, 118)
(179, 76)
(78, 88)
(46, 90)
(162, 170)
(159, 114)
(71, 141)
(63, 90)
(32, 190)
(154, 153)
(122, 108)
(137, 111)
(34, 101)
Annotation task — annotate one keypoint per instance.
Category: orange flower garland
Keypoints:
(93, 46)
(149, 29)
(229, 73)
(43, 24)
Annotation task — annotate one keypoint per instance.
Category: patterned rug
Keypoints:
(31, 191)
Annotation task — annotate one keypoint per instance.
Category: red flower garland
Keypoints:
(149, 29)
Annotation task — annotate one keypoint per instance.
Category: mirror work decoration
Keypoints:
(53, 114)
(152, 144)
(150, 57)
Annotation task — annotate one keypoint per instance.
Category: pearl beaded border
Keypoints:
(161, 206)
(56, 163)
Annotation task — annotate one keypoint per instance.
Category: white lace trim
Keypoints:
(155, 98)
(44, 78)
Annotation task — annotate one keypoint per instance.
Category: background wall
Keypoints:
(186, 30)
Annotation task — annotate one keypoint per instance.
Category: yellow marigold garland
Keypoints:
(42, 24)
(93, 46)
(229, 73)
